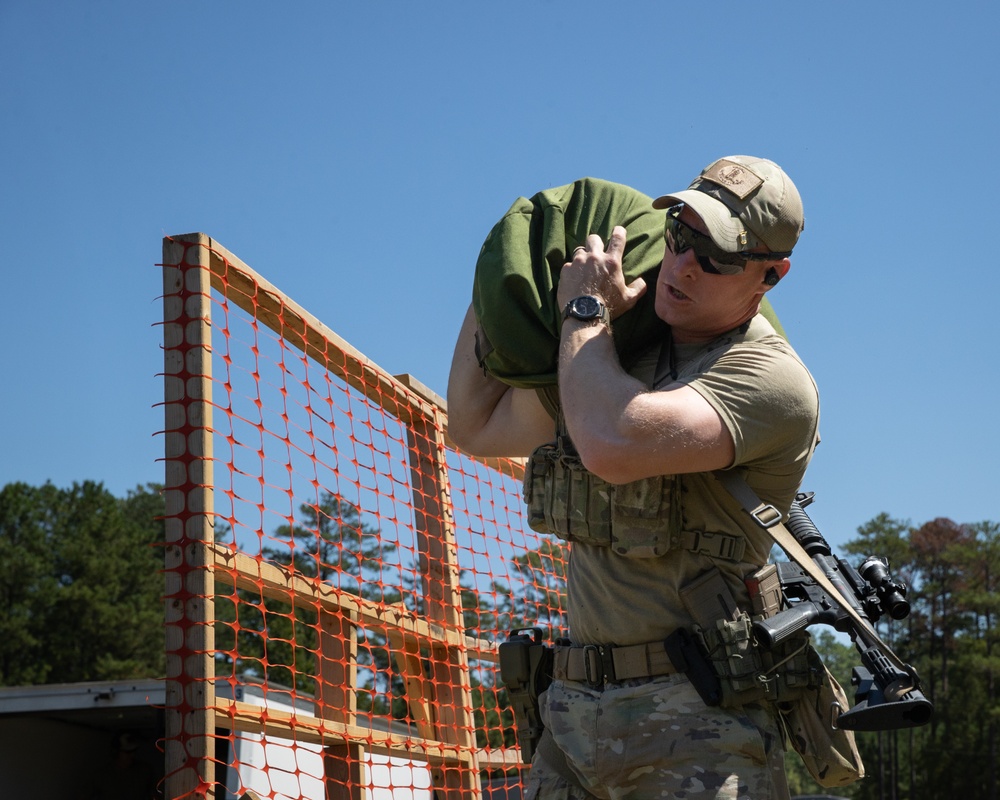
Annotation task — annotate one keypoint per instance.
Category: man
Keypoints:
(653, 526)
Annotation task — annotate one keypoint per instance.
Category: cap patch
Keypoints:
(733, 177)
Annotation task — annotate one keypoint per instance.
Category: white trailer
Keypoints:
(60, 740)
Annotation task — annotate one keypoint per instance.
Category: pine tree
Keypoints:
(80, 580)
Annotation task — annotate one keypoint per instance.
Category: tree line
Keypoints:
(952, 570)
(81, 596)
(81, 584)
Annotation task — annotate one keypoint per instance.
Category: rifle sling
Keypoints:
(768, 517)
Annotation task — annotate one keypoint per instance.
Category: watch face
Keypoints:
(586, 307)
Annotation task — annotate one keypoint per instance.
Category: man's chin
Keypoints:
(671, 311)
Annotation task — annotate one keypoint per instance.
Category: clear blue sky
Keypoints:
(356, 154)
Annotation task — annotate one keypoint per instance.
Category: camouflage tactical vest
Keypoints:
(641, 519)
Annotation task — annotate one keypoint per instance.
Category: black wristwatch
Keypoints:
(587, 307)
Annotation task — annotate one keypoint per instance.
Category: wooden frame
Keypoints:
(441, 704)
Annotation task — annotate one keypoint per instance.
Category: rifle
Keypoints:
(888, 694)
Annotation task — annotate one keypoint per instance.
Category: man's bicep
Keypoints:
(487, 417)
(518, 425)
(693, 436)
(514, 427)
(666, 432)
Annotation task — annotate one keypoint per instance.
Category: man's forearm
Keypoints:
(595, 391)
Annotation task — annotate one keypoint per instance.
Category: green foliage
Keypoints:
(80, 584)
(952, 570)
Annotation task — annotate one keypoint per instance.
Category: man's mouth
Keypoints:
(677, 293)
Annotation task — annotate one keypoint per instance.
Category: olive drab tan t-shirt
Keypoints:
(769, 403)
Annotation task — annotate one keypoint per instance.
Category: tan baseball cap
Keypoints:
(745, 202)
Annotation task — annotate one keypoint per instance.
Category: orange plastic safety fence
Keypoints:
(338, 576)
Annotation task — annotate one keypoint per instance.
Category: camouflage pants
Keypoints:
(650, 738)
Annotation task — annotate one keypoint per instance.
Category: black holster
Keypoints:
(526, 670)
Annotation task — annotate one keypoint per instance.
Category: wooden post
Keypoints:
(337, 700)
(189, 615)
(450, 681)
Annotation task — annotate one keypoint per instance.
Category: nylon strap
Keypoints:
(768, 517)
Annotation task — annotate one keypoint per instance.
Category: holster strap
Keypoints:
(597, 664)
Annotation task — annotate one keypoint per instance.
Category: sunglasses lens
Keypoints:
(717, 267)
(729, 259)
(674, 234)
(680, 237)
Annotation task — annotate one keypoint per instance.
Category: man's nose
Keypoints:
(686, 262)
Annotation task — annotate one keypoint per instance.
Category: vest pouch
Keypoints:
(749, 674)
(741, 662)
(791, 669)
(535, 485)
(565, 499)
(735, 660)
(641, 515)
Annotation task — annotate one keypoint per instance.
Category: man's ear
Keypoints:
(776, 273)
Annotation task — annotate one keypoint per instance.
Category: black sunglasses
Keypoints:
(710, 257)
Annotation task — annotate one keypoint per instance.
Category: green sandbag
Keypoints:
(514, 293)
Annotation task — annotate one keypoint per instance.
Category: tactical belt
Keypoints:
(597, 664)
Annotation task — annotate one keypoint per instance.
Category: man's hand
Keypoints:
(598, 272)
